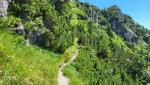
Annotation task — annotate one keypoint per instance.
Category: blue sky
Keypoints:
(139, 10)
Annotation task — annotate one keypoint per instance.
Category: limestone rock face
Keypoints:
(127, 34)
(3, 7)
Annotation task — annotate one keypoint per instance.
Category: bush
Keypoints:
(8, 22)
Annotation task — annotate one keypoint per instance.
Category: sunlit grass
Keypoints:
(26, 65)
(73, 76)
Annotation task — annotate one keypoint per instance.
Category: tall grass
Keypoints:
(69, 52)
(22, 65)
(73, 75)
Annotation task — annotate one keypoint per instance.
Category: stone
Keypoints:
(126, 33)
(19, 28)
(3, 7)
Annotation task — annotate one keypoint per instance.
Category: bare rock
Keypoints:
(3, 7)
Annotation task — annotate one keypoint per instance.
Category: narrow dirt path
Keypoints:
(63, 80)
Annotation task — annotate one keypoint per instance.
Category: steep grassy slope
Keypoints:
(21, 65)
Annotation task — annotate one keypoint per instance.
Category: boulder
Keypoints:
(3, 7)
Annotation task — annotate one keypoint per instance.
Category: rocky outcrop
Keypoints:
(147, 39)
(126, 33)
(117, 20)
(3, 7)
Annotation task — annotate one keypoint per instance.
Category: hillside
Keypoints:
(37, 38)
(25, 65)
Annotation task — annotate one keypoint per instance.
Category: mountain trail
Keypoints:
(63, 80)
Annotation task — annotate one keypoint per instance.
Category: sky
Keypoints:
(139, 10)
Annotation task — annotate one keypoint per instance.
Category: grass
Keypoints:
(69, 71)
(26, 65)
(30, 65)
(68, 52)
(73, 75)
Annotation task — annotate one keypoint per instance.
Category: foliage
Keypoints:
(105, 56)
(8, 22)
(71, 50)
(25, 65)
(73, 75)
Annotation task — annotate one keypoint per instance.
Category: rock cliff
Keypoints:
(3, 7)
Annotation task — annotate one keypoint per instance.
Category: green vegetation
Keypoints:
(113, 48)
(21, 65)
(73, 75)
(70, 51)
